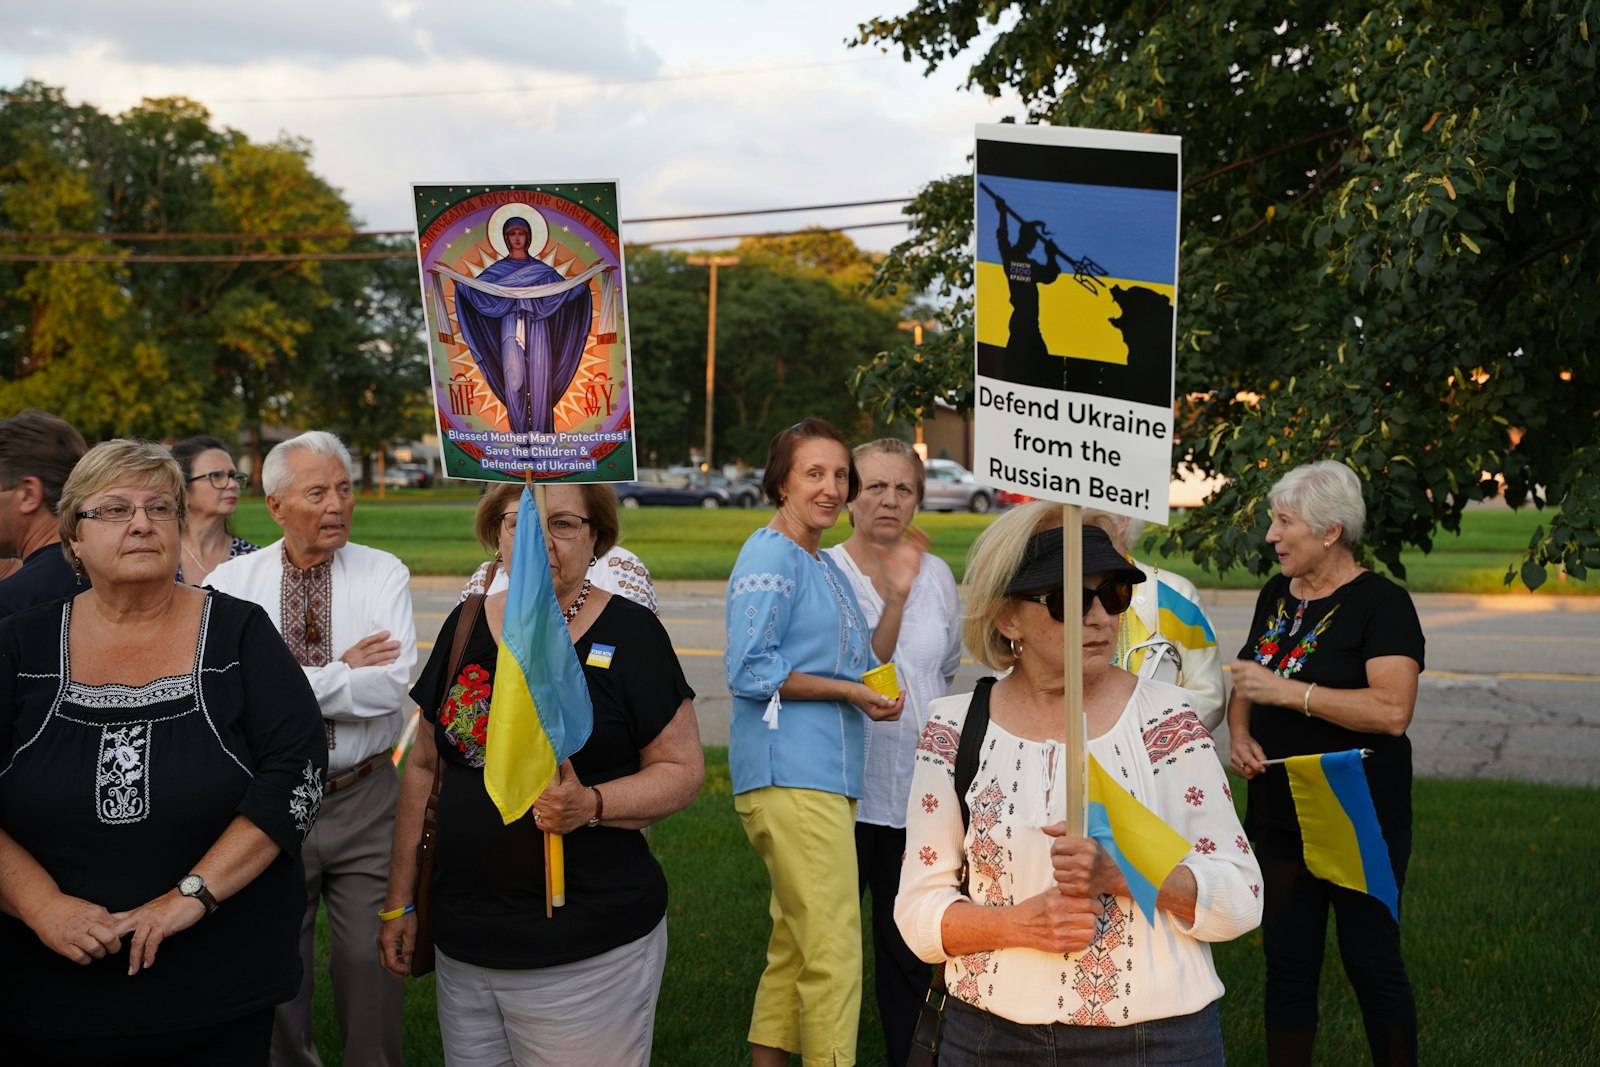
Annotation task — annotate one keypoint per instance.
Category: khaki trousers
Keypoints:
(347, 866)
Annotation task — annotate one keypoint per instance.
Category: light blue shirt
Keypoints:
(790, 611)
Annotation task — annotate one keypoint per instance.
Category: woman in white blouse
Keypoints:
(926, 657)
(1043, 947)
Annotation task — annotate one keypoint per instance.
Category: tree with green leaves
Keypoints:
(791, 323)
(1388, 252)
(167, 349)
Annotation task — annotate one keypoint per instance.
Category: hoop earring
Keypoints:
(593, 560)
(1016, 648)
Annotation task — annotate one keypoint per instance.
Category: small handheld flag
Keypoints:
(1145, 848)
(1181, 619)
(1339, 826)
(539, 713)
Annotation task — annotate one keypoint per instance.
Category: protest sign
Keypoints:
(1077, 274)
(522, 285)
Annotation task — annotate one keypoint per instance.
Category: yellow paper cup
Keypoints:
(882, 680)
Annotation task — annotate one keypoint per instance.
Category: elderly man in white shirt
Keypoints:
(345, 612)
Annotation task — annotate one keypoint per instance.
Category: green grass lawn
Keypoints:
(431, 530)
(1500, 939)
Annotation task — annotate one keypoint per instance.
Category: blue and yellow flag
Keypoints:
(1144, 847)
(1181, 619)
(1339, 826)
(539, 713)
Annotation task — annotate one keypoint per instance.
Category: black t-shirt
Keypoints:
(487, 893)
(1363, 619)
(44, 576)
(118, 791)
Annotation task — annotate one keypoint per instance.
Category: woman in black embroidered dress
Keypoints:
(161, 759)
(1331, 664)
(513, 986)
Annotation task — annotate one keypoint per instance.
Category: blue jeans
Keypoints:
(973, 1037)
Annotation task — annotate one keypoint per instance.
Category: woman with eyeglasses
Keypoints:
(1041, 944)
(926, 658)
(213, 491)
(161, 760)
(513, 986)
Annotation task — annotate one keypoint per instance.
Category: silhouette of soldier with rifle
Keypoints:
(1024, 275)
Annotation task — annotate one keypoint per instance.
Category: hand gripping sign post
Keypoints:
(523, 290)
(1077, 274)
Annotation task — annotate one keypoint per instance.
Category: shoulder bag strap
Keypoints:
(466, 622)
(969, 749)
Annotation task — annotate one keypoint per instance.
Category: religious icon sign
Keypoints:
(527, 323)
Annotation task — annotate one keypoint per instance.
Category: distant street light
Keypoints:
(711, 335)
(916, 326)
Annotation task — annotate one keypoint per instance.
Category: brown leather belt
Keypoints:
(346, 779)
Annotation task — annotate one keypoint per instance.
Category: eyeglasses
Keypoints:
(1115, 596)
(904, 492)
(122, 511)
(220, 479)
(563, 527)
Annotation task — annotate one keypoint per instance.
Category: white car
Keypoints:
(951, 487)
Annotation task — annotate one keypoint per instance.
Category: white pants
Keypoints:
(598, 1010)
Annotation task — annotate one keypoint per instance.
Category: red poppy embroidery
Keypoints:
(927, 855)
(1205, 846)
(1195, 795)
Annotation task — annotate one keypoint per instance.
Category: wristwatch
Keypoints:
(194, 887)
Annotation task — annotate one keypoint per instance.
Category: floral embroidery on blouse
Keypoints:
(1095, 971)
(1267, 645)
(305, 800)
(464, 718)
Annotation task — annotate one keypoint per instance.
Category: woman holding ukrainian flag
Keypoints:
(514, 986)
(1330, 665)
(1058, 948)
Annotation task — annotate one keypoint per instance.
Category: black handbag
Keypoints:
(930, 1020)
(422, 955)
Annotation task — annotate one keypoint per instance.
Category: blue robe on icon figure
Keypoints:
(528, 348)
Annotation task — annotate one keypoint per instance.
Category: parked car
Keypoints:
(951, 487)
(742, 492)
(407, 476)
(658, 487)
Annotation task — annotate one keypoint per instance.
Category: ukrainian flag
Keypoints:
(1339, 826)
(1144, 847)
(539, 713)
(1181, 619)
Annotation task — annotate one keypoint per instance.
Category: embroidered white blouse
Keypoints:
(926, 658)
(1133, 971)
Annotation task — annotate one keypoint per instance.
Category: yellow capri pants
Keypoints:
(809, 997)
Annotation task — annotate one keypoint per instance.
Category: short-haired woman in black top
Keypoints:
(512, 985)
(1330, 664)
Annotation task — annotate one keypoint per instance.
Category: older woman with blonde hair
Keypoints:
(1041, 946)
(1331, 663)
(161, 760)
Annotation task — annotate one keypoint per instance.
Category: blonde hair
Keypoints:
(991, 564)
(122, 461)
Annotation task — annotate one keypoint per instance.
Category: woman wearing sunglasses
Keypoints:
(214, 488)
(1041, 945)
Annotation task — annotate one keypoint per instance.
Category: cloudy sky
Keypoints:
(693, 105)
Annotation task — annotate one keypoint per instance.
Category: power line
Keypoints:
(398, 253)
(301, 235)
(609, 83)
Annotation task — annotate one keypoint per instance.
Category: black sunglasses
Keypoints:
(1115, 595)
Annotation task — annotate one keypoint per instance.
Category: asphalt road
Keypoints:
(1508, 691)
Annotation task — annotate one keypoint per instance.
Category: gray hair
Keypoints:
(1325, 495)
(275, 476)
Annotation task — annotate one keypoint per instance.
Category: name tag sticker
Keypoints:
(600, 656)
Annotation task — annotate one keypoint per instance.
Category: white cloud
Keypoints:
(807, 121)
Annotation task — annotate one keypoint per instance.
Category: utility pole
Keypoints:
(711, 336)
(916, 326)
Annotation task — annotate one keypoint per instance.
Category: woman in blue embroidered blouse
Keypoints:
(797, 647)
